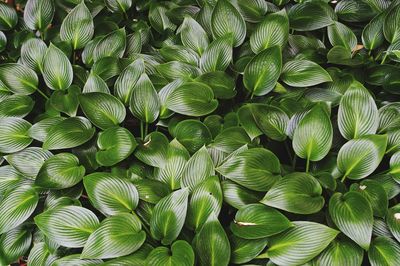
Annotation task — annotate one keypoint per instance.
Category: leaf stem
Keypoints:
(384, 59)
(307, 165)
(294, 162)
(43, 94)
(288, 150)
(146, 129)
(343, 178)
(141, 130)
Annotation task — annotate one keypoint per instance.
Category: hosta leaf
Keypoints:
(14, 134)
(16, 106)
(38, 14)
(393, 221)
(175, 70)
(352, 214)
(309, 16)
(341, 252)
(273, 30)
(304, 73)
(57, 70)
(169, 216)
(95, 84)
(179, 53)
(211, 244)
(69, 133)
(8, 17)
(372, 35)
(39, 130)
(358, 114)
(238, 196)
(388, 117)
(74, 259)
(340, 34)
(248, 122)
(144, 102)
(252, 10)
(271, 120)
(60, 171)
(312, 138)
(300, 243)
(192, 99)
(391, 25)
(77, 27)
(395, 166)
(16, 206)
(151, 190)
(227, 19)
(257, 169)
(256, 221)
(3, 41)
(102, 109)
(127, 80)
(181, 253)
(18, 78)
(159, 19)
(384, 251)
(193, 35)
(218, 55)
(116, 236)
(244, 250)
(154, 150)
(262, 72)
(111, 194)
(358, 158)
(113, 45)
(222, 84)
(9, 178)
(15, 243)
(137, 258)
(296, 193)
(118, 5)
(32, 53)
(185, 131)
(40, 255)
(66, 101)
(69, 226)
(230, 139)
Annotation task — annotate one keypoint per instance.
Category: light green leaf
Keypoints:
(181, 254)
(66, 101)
(154, 150)
(393, 221)
(73, 260)
(57, 70)
(116, 236)
(103, 110)
(110, 194)
(304, 73)
(352, 214)
(358, 158)
(244, 250)
(9, 178)
(296, 193)
(40, 130)
(186, 129)
(137, 258)
(372, 34)
(218, 55)
(193, 35)
(389, 118)
(230, 139)
(271, 120)
(391, 25)
(8, 17)
(340, 253)
(38, 14)
(40, 255)
(69, 226)
(126, 82)
(95, 84)
(15, 243)
(118, 5)
(18, 78)
(273, 30)
(222, 84)
(16, 106)
(32, 53)
(77, 27)
(384, 251)
(14, 134)
(179, 53)
(238, 196)
(308, 16)
(262, 72)
(113, 45)
(395, 166)
(176, 70)
(340, 34)
(60, 171)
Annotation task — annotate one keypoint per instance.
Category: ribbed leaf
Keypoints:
(218, 55)
(175, 70)
(273, 30)
(227, 19)
(72, 260)
(16, 206)
(159, 19)
(391, 26)
(372, 35)
(32, 54)
(185, 130)
(340, 34)
(384, 251)
(257, 169)
(395, 166)
(181, 253)
(151, 191)
(14, 134)
(69, 133)
(69, 226)
(388, 117)
(299, 244)
(244, 250)
(8, 17)
(358, 114)
(18, 78)
(341, 253)
(95, 84)
(137, 258)
(102, 109)
(222, 84)
(66, 101)
(262, 72)
(309, 16)
(296, 193)
(238, 196)
(393, 221)
(116, 236)
(9, 178)
(118, 5)
(304, 73)
(38, 14)
(179, 53)
(40, 255)
(15, 243)
(113, 45)
(358, 158)
(16, 106)
(256, 221)
(77, 27)
(193, 35)
(40, 130)
(168, 216)
(127, 80)
(230, 139)
(57, 70)
(248, 122)
(60, 171)
(3, 41)
(154, 150)
(271, 120)
(352, 214)
(111, 194)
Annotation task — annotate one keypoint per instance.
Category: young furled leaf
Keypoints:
(57, 70)
(39, 14)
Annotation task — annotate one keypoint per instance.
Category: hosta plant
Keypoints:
(200, 132)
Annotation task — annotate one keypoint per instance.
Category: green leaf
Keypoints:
(358, 158)
(8, 17)
(66, 101)
(253, 10)
(244, 250)
(144, 102)
(69, 133)
(175, 70)
(95, 84)
(299, 244)
(227, 19)
(159, 20)
(304, 73)
(60, 171)
(110, 194)
(115, 144)
(218, 55)
(222, 84)
(113, 45)
(262, 72)
(118, 5)
(179, 53)
(116, 236)
(372, 34)
(16, 106)
(256, 221)
(181, 254)
(310, 16)
(248, 122)
(296, 193)
(352, 214)
(230, 139)
(271, 120)
(77, 27)
(38, 14)
(393, 221)
(3, 41)
(137, 258)
(395, 166)
(211, 244)
(18, 78)
(257, 169)
(340, 34)
(272, 31)
(154, 150)
(391, 25)
(193, 35)
(168, 216)
(103, 110)
(16, 207)
(14, 134)
(126, 82)
(69, 226)
(9, 178)
(57, 70)
(15, 243)
(192, 99)
(312, 139)
(40, 130)
(74, 259)
(384, 251)
(358, 114)
(238, 196)
(341, 252)
(32, 53)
